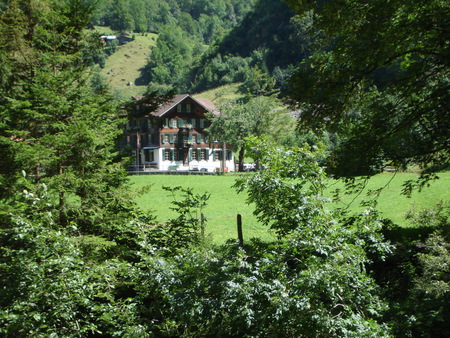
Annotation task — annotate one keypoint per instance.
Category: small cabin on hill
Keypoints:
(174, 138)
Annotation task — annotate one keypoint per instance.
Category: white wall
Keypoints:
(210, 165)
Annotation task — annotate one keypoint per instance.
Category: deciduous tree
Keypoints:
(380, 75)
(259, 116)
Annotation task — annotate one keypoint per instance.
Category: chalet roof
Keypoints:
(177, 99)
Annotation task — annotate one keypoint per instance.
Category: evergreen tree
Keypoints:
(55, 128)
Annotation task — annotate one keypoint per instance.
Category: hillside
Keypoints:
(123, 68)
(222, 95)
(122, 71)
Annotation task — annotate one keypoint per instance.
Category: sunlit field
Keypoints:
(225, 203)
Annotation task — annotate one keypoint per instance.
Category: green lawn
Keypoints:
(391, 203)
(225, 203)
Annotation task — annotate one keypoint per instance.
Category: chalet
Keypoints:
(173, 138)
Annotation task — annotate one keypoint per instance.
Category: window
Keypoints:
(179, 108)
(217, 155)
(164, 138)
(188, 108)
(199, 138)
(167, 154)
(194, 154)
(174, 123)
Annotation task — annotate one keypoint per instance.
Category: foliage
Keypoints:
(280, 290)
(288, 193)
(58, 131)
(259, 116)
(188, 229)
(379, 76)
(414, 278)
(49, 285)
(172, 57)
(428, 296)
(202, 19)
(312, 282)
(269, 30)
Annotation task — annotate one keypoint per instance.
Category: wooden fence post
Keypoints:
(239, 230)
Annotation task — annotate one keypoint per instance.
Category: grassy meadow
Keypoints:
(126, 63)
(225, 203)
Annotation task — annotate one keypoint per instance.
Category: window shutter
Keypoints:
(171, 138)
(190, 138)
(207, 154)
(162, 138)
(190, 154)
(197, 123)
(199, 138)
(199, 154)
(172, 154)
(180, 123)
(229, 155)
(214, 155)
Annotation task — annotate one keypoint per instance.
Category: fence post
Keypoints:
(239, 230)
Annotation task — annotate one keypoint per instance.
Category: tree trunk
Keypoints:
(241, 159)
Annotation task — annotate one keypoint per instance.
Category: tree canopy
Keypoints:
(260, 116)
(380, 76)
(55, 130)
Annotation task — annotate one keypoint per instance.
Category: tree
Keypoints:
(55, 128)
(121, 19)
(65, 215)
(259, 116)
(380, 76)
(172, 57)
(311, 282)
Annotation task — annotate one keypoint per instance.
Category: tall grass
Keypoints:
(225, 203)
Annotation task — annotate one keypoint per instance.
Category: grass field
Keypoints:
(225, 203)
(223, 94)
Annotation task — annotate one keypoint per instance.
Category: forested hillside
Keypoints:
(206, 45)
